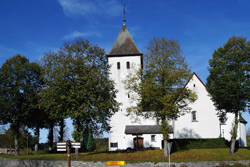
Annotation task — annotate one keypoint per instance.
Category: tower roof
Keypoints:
(124, 44)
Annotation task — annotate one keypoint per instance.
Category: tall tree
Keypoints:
(161, 92)
(229, 80)
(53, 97)
(78, 87)
(20, 82)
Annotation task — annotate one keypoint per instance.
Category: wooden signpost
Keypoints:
(66, 146)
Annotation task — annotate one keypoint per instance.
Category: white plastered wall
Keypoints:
(207, 124)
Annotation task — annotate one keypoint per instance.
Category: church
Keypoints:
(125, 133)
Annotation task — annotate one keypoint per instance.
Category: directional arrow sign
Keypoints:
(75, 145)
(61, 146)
(115, 163)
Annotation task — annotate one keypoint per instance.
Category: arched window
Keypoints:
(128, 65)
(194, 116)
(118, 65)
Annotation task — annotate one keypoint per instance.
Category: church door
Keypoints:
(138, 143)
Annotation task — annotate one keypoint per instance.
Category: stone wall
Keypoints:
(44, 163)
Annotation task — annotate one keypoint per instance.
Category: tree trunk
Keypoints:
(37, 133)
(16, 144)
(15, 128)
(234, 134)
(61, 132)
(232, 147)
(166, 148)
(50, 136)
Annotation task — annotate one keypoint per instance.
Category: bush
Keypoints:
(185, 144)
(248, 141)
(101, 144)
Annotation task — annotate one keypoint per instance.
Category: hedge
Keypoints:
(185, 144)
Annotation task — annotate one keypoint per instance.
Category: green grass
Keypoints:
(221, 154)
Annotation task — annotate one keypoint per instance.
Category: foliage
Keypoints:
(185, 144)
(7, 139)
(101, 144)
(248, 141)
(91, 142)
(78, 87)
(229, 80)
(20, 84)
(161, 93)
(248, 131)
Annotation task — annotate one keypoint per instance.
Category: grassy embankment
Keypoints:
(221, 154)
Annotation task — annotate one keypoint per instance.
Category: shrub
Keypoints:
(185, 144)
(248, 141)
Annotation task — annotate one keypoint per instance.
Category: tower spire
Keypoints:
(124, 19)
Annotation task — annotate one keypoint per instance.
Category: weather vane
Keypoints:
(124, 20)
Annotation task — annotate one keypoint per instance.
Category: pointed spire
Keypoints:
(124, 43)
(124, 19)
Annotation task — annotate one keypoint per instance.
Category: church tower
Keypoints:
(123, 58)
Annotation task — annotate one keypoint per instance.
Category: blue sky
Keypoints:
(34, 27)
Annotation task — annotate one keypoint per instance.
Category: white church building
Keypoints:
(202, 122)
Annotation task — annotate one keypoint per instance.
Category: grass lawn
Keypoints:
(221, 154)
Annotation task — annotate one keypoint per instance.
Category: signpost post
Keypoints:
(66, 146)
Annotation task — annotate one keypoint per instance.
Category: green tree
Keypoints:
(91, 146)
(229, 80)
(53, 97)
(20, 81)
(7, 139)
(161, 92)
(78, 87)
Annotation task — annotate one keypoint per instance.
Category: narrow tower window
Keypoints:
(118, 65)
(128, 65)
(194, 116)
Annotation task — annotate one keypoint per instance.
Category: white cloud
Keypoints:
(77, 34)
(89, 7)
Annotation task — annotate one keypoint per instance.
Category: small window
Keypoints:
(194, 116)
(152, 138)
(128, 65)
(113, 144)
(128, 95)
(194, 85)
(118, 65)
(157, 121)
